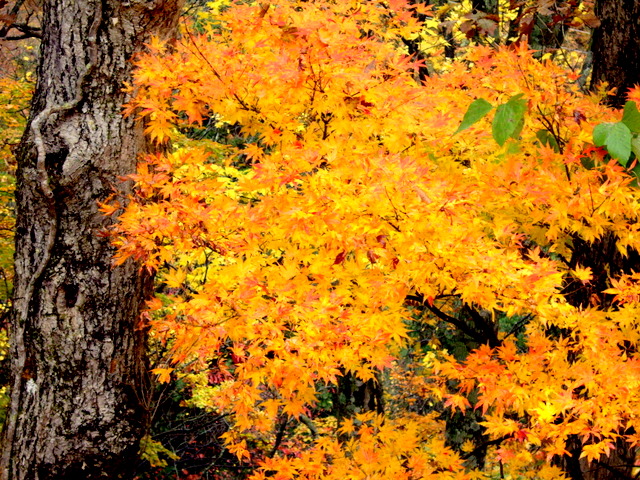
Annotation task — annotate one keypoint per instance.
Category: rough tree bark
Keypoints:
(77, 356)
(616, 47)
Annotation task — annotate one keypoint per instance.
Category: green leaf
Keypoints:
(519, 126)
(513, 148)
(601, 133)
(631, 117)
(476, 111)
(616, 137)
(635, 145)
(619, 143)
(635, 172)
(508, 118)
(545, 138)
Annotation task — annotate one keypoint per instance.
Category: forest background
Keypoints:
(390, 239)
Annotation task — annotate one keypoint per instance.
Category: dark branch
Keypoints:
(484, 445)
(27, 31)
(484, 326)
(616, 471)
(484, 331)
(459, 324)
(279, 436)
(18, 37)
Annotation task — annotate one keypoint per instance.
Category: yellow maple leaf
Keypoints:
(164, 374)
(584, 274)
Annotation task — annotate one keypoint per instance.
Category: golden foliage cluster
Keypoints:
(287, 262)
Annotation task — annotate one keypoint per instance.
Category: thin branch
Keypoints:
(19, 37)
(518, 325)
(612, 468)
(459, 324)
(13, 13)
(309, 424)
(279, 437)
(28, 31)
(484, 445)
(486, 327)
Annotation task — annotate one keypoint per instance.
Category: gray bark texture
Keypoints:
(616, 47)
(77, 349)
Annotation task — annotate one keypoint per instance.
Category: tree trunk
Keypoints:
(616, 47)
(486, 6)
(606, 262)
(77, 353)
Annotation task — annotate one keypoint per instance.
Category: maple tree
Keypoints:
(494, 202)
(313, 391)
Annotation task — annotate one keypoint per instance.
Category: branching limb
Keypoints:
(28, 31)
(310, 425)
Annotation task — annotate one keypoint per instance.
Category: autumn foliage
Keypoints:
(364, 222)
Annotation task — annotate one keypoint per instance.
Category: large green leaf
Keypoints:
(635, 145)
(616, 137)
(635, 172)
(508, 118)
(619, 143)
(631, 117)
(600, 133)
(478, 109)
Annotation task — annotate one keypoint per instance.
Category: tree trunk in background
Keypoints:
(487, 6)
(616, 60)
(616, 47)
(78, 358)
